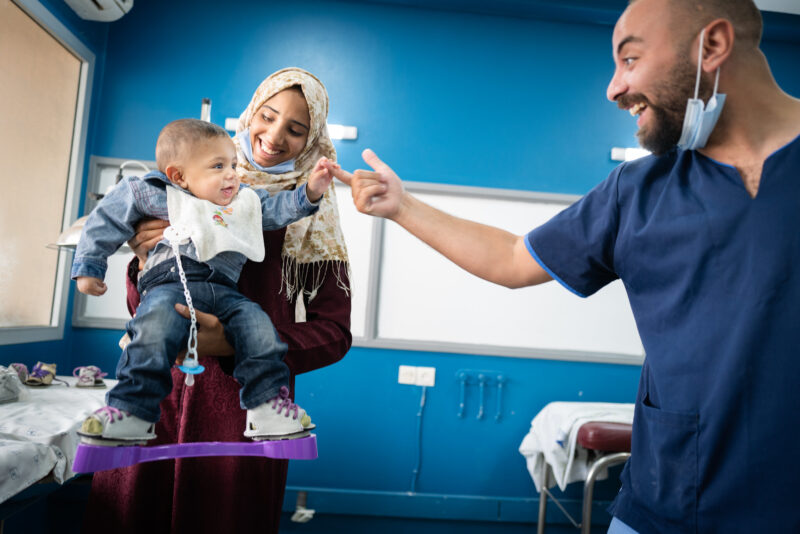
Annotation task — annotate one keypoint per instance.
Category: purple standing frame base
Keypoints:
(91, 458)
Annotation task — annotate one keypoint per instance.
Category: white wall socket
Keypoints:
(416, 376)
(426, 376)
(407, 374)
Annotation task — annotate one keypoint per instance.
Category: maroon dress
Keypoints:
(221, 494)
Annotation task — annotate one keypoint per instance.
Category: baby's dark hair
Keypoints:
(178, 135)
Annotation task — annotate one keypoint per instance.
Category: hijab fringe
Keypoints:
(294, 276)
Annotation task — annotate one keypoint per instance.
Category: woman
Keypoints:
(280, 137)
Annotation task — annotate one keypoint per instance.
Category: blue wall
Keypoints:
(457, 98)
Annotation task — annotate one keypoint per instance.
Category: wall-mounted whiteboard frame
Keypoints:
(373, 245)
(109, 310)
(370, 292)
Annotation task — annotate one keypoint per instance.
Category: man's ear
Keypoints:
(718, 44)
(175, 175)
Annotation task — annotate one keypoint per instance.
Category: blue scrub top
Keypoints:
(713, 278)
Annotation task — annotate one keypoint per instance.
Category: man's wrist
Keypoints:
(405, 207)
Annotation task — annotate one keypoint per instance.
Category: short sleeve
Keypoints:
(576, 247)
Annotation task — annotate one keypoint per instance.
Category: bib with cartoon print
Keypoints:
(214, 229)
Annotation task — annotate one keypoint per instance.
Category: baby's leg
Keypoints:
(157, 334)
(259, 351)
(271, 414)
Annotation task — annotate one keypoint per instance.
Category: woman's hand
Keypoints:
(211, 339)
(378, 192)
(148, 233)
(320, 179)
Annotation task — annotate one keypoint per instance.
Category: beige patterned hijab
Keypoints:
(312, 244)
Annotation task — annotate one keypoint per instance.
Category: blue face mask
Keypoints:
(247, 149)
(700, 120)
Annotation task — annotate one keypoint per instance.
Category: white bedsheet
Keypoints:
(38, 433)
(553, 439)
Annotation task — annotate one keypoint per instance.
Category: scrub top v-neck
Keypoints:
(713, 278)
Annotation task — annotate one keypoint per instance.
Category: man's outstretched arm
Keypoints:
(485, 251)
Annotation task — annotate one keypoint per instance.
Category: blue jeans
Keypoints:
(158, 333)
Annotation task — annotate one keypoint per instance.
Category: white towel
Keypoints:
(553, 438)
(214, 229)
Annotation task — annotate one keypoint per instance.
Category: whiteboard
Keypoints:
(405, 295)
(424, 297)
(358, 236)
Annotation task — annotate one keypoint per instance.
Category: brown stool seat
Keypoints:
(605, 437)
(610, 444)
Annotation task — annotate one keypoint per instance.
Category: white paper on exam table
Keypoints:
(553, 437)
(38, 433)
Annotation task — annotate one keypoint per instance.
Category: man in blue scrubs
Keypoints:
(705, 235)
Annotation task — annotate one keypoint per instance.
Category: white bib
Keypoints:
(214, 229)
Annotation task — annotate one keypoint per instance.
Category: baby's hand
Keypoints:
(91, 286)
(320, 179)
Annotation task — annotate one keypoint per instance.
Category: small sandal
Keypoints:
(89, 376)
(43, 374)
(21, 369)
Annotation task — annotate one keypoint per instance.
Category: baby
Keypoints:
(198, 190)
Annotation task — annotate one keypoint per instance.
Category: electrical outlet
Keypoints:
(407, 374)
(426, 376)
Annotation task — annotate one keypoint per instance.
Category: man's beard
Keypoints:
(671, 96)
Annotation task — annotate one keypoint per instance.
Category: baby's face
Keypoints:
(210, 172)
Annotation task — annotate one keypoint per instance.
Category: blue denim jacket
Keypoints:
(112, 223)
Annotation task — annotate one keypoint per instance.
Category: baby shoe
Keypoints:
(278, 418)
(21, 369)
(89, 376)
(110, 426)
(10, 386)
(43, 374)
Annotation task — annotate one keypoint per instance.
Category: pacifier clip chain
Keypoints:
(191, 365)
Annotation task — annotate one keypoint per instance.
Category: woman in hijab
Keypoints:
(302, 284)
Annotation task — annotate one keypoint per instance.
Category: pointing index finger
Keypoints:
(343, 175)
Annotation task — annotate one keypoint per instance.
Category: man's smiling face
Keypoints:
(654, 76)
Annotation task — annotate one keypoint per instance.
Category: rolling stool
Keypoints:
(611, 445)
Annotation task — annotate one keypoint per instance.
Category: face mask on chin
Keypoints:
(247, 150)
(699, 120)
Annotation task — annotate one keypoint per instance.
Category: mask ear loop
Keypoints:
(700, 66)
(716, 82)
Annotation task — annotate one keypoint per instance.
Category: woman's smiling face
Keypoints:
(279, 129)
